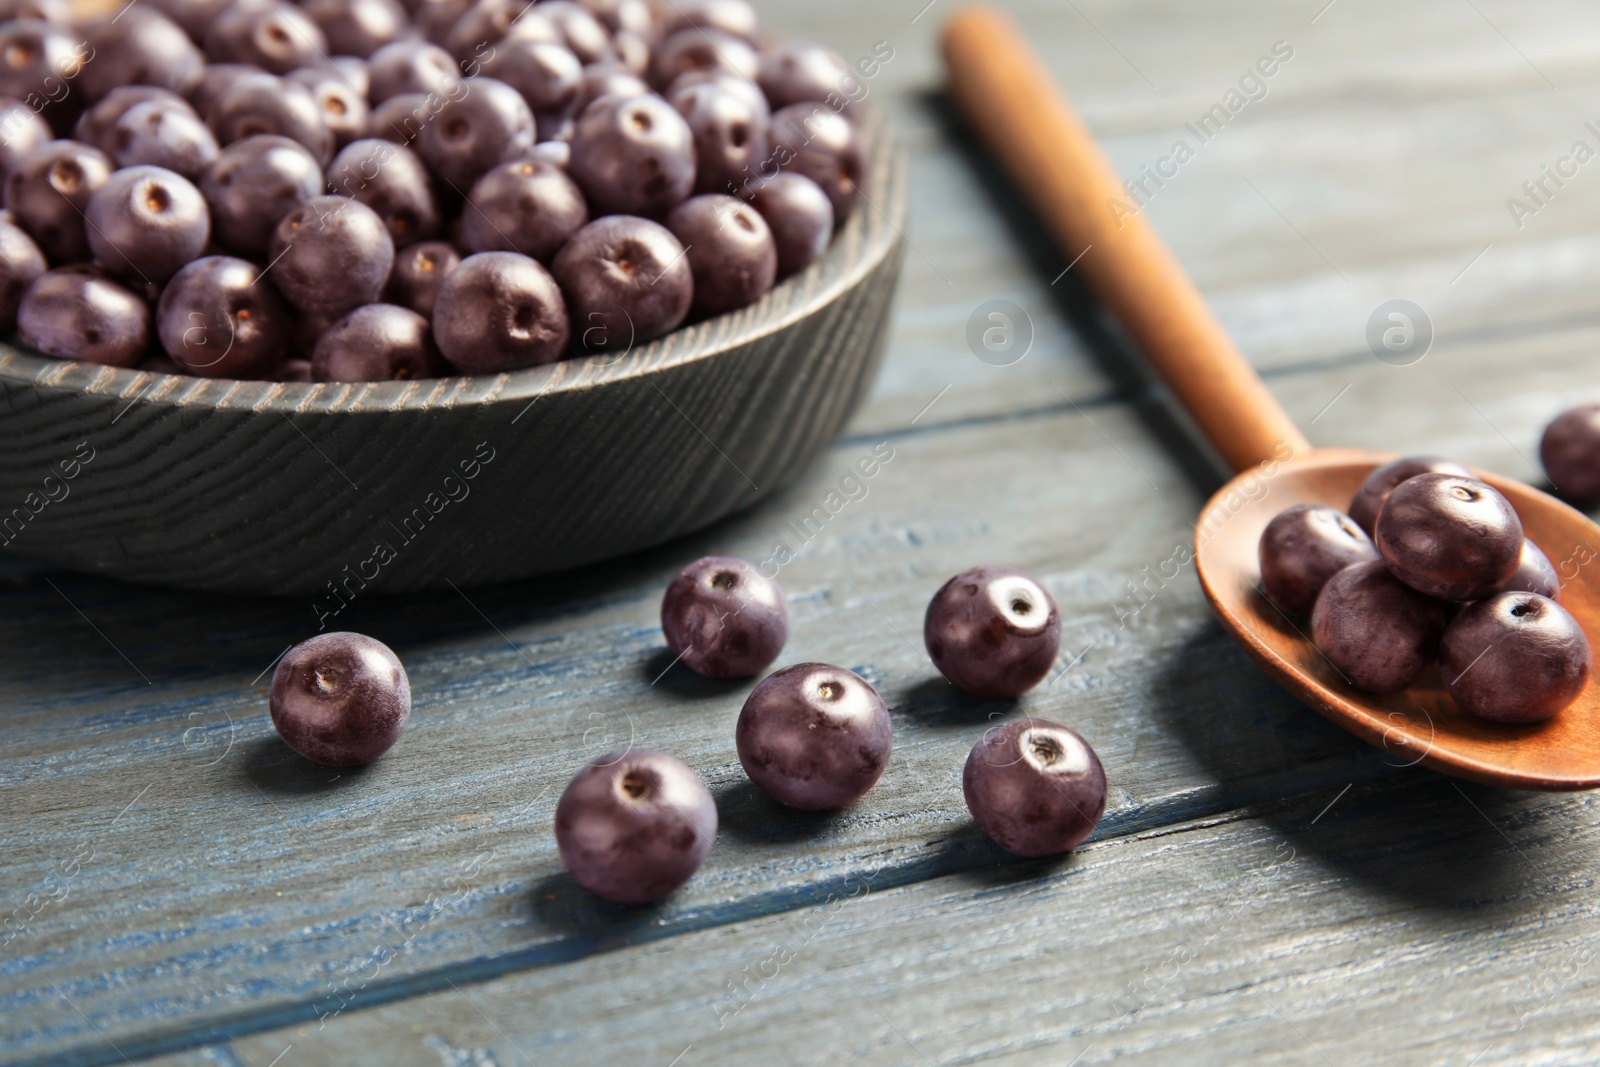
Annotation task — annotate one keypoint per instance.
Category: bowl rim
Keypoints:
(856, 248)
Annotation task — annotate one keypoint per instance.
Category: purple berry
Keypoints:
(192, 16)
(252, 185)
(139, 47)
(813, 140)
(400, 118)
(633, 155)
(723, 618)
(340, 699)
(410, 67)
(703, 49)
(799, 215)
(1302, 548)
(1449, 536)
(277, 38)
(730, 134)
(608, 79)
(94, 126)
(1035, 787)
(376, 343)
(1380, 483)
(1379, 633)
(579, 31)
(525, 206)
(294, 370)
(626, 281)
(215, 321)
(477, 31)
(49, 189)
(1515, 657)
(795, 72)
(434, 19)
(729, 16)
(489, 125)
(147, 222)
(499, 311)
(330, 255)
(1534, 574)
(160, 133)
(214, 81)
(814, 737)
(342, 106)
(357, 27)
(21, 264)
(77, 313)
(992, 631)
(548, 76)
(21, 130)
(266, 104)
(391, 180)
(40, 60)
(634, 826)
(419, 272)
(1570, 452)
(730, 251)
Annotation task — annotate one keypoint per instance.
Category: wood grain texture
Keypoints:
(232, 895)
(1416, 923)
(338, 489)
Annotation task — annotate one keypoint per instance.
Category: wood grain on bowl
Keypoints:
(335, 490)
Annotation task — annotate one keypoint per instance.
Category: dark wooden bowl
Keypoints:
(334, 490)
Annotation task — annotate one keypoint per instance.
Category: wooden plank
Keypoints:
(240, 893)
(1414, 922)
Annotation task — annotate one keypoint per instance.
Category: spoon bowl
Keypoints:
(1421, 725)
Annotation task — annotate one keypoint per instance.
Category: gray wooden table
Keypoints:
(180, 889)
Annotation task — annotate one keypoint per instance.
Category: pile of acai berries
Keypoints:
(370, 190)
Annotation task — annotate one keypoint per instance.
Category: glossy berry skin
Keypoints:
(697, 49)
(376, 343)
(811, 139)
(1515, 657)
(391, 180)
(548, 76)
(147, 223)
(798, 213)
(730, 251)
(340, 699)
(400, 118)
(992, 631)
(1534, 574)
(330, 255)
(633, 155)
(163, 134)
(264, 104)
(1570, 452)
(40, 59)
(49, 189)
(252, 185)
(626, 281)
(723, 618)
(499, 311)
(1369, 499)
(1379, 633)
(21, 264)
(1035, 787)
(794, 72)
(735, 17)
(418, 274)
(77, 313)
(634, 826)
(23, 130)
(1449, 537)
(216, 321)
(484, 24)
(524, 206)
(357, 27)
(578, 29)
(410, 67)
(342, 106)
(94, 126)
(488, 125)
(1302, 548)
(814, 737)
(277, 38)
(141, 47)
(214, 81)
(608, 79)
(730, 134)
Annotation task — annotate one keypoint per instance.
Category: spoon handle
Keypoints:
(1026, 122)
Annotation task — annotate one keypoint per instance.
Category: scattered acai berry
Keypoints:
(1515, 657)
(634, 826)
(1379, 633)
(814, 737)
(1302, 548)
(1035, 787)
(340, 699)
(1570, 452)
(1381, 482)
(1449, 536)
(724, 618)
(992, 631)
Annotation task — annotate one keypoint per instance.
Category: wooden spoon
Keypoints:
(1026, 122)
